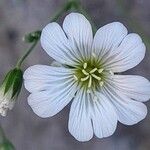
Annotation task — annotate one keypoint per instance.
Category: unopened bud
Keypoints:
(32, 37)
(10, 90)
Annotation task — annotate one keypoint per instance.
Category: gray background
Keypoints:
(26, 130)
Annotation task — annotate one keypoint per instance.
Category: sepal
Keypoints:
(10, 89)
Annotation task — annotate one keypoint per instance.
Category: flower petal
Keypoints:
(56, 64)
(55, 43)
(52, 89)
(129, 54)
(129, 111)
(104, 117)
(41, 77)
(107, 39)
(80, 125)
(79, 33)
(135, 87)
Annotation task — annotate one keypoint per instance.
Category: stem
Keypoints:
(70, 4)
(66, 7)
(2, 135)
(20, 61)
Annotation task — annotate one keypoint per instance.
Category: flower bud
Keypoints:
(32, 37)
(10, 90)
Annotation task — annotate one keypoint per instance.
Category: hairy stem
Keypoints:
(20, 61)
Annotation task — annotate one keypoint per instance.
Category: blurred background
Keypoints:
(26, 130)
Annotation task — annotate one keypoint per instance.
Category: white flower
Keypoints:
(85, 72)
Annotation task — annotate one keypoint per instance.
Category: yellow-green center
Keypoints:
(89, 75)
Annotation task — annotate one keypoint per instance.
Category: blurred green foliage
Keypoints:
(5, 144)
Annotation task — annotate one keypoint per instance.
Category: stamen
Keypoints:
(84, 72)
(86, 78)
(85, 65)
(90, 82)
(93, 70)
(93, 54)
(100, 70)
(75, 77)
(96, 77)
(101, 83)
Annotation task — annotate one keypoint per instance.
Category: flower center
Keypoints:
(89, 75)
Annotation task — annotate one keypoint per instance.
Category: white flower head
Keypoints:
(9, 90)
(85, 72)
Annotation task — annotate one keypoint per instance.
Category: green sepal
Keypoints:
(13, 81)
(32, 37)
(17, 84)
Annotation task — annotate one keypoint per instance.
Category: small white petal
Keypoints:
(80, 125)
(55, 43)
(108, 38)
(129, 111)
(41, 77)
(135, 87)
(104, 117)
(53, 88)
(79, 32)
(130, 53)
(48, 103)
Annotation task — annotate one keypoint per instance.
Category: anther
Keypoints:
(84, 72)
(93, 70)
(90, 82)
(75, 77)
(100, 70)
(96, 77)
(84, 79)
(85, 65)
